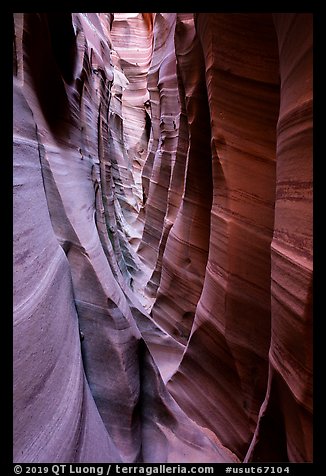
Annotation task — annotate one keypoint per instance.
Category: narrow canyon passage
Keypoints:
(162, 237)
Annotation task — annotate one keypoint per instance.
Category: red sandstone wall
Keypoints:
(163, 204)
(246, 371)
(71, 264)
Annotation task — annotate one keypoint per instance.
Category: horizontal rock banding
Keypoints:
(71, 272)
(162, 237)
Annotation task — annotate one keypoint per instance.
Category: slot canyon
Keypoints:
(162, 194)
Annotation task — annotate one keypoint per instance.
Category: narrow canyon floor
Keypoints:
(162, 237)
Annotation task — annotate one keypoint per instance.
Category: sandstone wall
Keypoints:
(71, 271)
(162, 207)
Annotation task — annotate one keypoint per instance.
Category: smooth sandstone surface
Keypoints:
(246, 370)
(186, 251)
(56, 418)
(69, 275)
(232, 321)
(162, 207)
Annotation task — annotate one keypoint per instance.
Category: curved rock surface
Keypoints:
(185, 255)
(162, 237)
(232, 321)
(288, 403)
(70, 269)
(253, 339)
(55, 415)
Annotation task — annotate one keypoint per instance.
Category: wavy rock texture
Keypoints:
(245, 338)
(55, 415)
(66, 266)
(132, 52)
(232, 321)
(185, 255)
(163, 94)
(163, 206)
(289, 394)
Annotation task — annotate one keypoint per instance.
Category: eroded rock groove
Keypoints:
(163, 210)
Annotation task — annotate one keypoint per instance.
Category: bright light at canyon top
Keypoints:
(147, 17)
(162, 207)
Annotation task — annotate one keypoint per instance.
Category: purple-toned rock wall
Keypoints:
(162, 237)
